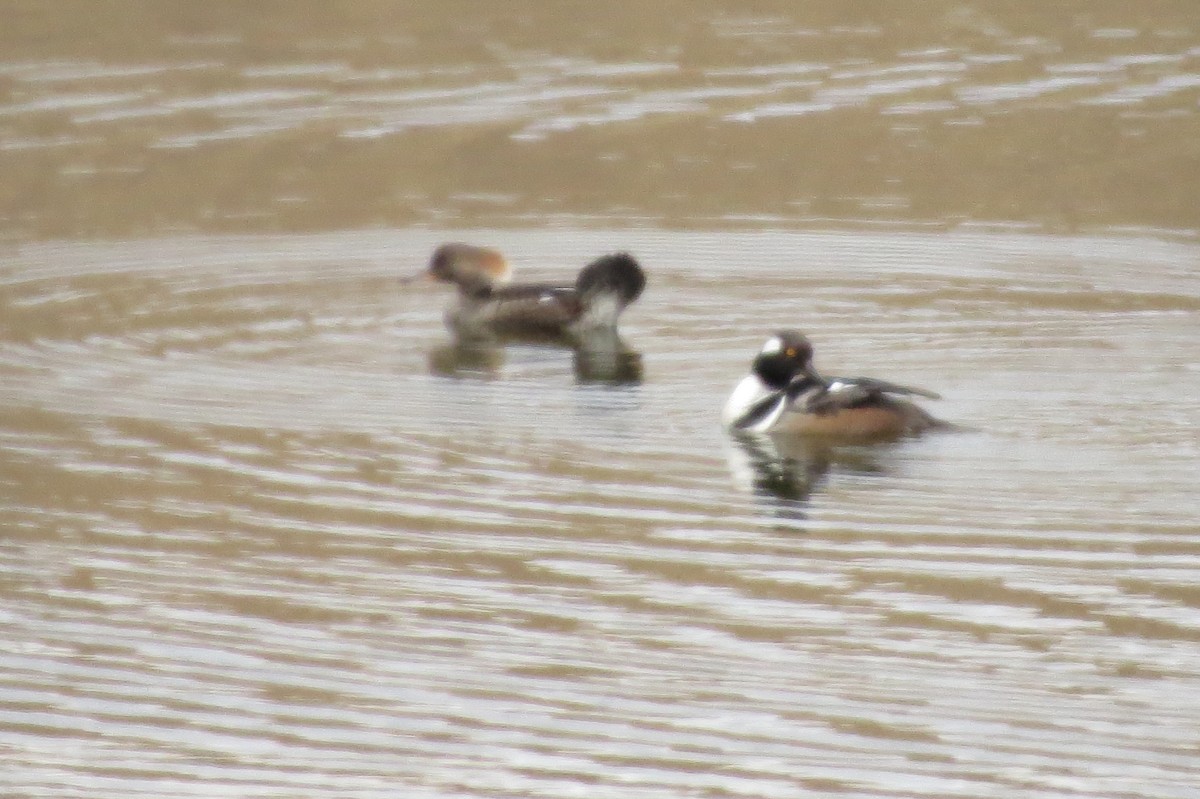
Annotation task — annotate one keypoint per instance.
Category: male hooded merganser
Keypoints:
(487, 303)
(784, 393)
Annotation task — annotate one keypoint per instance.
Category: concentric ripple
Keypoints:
(260, 540)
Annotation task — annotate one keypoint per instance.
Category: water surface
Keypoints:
(265, 531)
(360, 113)
(259, 542)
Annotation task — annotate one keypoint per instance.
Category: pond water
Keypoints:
(266, 531)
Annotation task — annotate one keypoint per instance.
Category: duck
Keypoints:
(784, 393)
(489, 303)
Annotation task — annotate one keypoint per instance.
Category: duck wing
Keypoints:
(849, 392)
(532, 307)
(884, 387)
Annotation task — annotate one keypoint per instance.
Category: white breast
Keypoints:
(749, 391)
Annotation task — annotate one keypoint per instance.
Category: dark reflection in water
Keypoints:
(601, 357)
(458, 358)
(785, 472)
(604, 357)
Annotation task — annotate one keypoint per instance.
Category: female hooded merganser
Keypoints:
(487, 303)
(784, 393)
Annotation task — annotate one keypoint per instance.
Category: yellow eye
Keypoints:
(790, 352)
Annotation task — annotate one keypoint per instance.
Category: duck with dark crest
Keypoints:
(784, 393)
(488, 303)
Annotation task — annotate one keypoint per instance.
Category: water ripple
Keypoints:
(233, 481)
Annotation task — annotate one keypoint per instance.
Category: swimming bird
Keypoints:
(784, 393)
(488, 303)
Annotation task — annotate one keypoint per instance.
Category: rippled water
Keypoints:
(259, 542)
(355, 113)
(266, 531)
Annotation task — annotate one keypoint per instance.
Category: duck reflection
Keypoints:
(602, 356)
(787, 471)
(598, 357)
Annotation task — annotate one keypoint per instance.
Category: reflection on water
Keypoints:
(607, 360)
(785, 471)
(459, 358)
(598, 357)
(785, 483)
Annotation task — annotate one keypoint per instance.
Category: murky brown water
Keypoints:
(363, 113)
(263, 532)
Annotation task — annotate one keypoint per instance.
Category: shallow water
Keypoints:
(265, 531)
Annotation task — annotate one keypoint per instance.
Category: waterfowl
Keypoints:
(487, 301)
(784, 393)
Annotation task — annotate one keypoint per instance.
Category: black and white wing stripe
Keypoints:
(849, 392)
(761, 415)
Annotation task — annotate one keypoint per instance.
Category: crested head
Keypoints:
(617, 275)
(782, 357)
(469, 267)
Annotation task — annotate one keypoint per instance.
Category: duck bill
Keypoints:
(420, 277)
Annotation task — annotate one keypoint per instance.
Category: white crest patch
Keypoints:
(772, 346)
